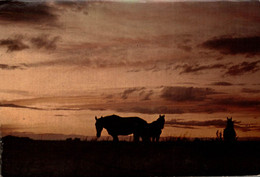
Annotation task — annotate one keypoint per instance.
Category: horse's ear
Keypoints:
(96, 117)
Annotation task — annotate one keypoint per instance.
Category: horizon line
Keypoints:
(130, 1)
(122, 138)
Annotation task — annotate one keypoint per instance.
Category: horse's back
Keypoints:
(124, 125)
(136, 120)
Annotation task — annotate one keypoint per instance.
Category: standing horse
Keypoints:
(116, 125)
(229, 131)
(154, 129)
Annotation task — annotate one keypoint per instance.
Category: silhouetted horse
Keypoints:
(117, 125)
(154, 129)
(229, 131)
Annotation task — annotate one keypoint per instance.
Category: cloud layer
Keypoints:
(222, 84)
(9, 67)
(45, 42)
(19, 42)
(186, 93)
(165, 100)
(229, 69)
(235, 45)
(217, 123)
(28, 13)
(15, 44)
(73, 58)
(197, 68)
(243, 68)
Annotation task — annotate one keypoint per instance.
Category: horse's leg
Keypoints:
(157, 138)
(145, 139)
(136, 137)
(115, 138)
(144, 136)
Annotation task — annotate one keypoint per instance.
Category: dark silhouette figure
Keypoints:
(116, 125)
(154, 129)
(219, 135)
(229, 131)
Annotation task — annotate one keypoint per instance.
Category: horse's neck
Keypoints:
(229, 129)
(156, 124)
(107, 122)
(153, 124)
(230, 126)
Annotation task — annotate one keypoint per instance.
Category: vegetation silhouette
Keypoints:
(116, 125)
(229, 131)
(219, 135)
(173, 157)
(154, 129)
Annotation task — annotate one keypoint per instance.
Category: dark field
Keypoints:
(24, 157)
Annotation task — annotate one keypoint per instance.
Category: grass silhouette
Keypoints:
(26, 157)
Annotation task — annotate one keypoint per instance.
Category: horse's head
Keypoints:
(99, 126)
(161, 120)
(230, 123)
(161, 116)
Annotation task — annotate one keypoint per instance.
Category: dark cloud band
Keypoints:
(243, 68)
(187, 68)
(10, 67)
(186, 93)
(19, 42)
(15, 44)
(235, 45)
(28, 13)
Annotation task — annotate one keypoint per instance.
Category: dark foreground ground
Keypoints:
(23, 157)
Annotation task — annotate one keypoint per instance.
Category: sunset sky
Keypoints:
(64, 62)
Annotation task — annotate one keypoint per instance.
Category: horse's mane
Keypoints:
(159, 123)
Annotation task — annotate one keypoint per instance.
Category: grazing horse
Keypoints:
(116, 125)
(229, 131)
(154, 129)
